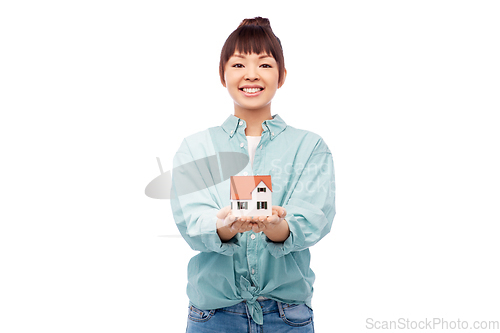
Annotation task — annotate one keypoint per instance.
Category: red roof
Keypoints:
(242, 186)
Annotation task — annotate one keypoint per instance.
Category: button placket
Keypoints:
(260, 153)
(252, 257)
(241, 141)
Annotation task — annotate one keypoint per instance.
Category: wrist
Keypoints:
(279, 233)
(225, 233)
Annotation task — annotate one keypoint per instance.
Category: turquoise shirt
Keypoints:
(250, 265)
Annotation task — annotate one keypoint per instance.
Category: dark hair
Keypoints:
(253, 36)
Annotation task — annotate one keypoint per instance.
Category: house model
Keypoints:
(251, 195)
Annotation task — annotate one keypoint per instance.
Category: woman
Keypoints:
(252, 271)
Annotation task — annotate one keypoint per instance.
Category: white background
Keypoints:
(405, 93)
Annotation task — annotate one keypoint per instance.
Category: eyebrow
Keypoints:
(244, 57)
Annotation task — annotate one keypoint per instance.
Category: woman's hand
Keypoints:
(225, 217)
(278, 216)
(267, 223)
(274, 226)
(229, 225)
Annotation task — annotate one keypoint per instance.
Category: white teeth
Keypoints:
(251, 90)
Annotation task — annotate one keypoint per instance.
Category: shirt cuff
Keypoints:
(213, 242)
(295, 239)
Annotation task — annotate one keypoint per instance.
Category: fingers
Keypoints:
(222, 213)
(258, 224)
(254, 223)
(235, 225)
(245, 218)
(273, 219)
(225, 221)
(241, 226)
(230, 218)
(247, 223)
(280, 211)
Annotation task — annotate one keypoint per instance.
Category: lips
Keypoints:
(251, 91)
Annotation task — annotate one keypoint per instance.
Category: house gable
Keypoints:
(243, 186)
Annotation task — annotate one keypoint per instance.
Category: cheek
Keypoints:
(230, 79)
(272, 79)
(274, 83)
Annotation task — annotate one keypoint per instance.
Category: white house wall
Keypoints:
(252, 204)
(242, 212)
(262, 196)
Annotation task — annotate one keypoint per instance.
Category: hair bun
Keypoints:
(256, 21)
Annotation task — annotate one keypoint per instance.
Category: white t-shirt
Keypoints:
(253, 142)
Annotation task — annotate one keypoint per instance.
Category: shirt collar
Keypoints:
(275, 126)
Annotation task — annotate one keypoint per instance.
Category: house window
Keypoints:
(242, 205)
(261, 189)
(261, 204)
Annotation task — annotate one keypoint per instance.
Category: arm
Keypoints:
(310, 204)
(194, 207)
(224, 231)
(279, 233)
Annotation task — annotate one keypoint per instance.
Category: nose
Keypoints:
(251, 75)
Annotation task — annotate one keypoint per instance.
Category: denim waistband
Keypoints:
(267, 306)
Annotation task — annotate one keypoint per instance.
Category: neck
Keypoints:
(253, 118)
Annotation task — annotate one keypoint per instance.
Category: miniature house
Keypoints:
(251, 195)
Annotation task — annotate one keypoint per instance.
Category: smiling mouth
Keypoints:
(251, 90)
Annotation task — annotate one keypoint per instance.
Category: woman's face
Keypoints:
(251, 80)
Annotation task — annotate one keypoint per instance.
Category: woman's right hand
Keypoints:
(226, 220)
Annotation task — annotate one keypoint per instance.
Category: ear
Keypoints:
(282, 80)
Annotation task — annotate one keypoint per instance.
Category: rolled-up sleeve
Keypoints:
(193, 206)
(310, 206)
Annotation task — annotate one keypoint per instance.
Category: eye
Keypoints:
(266, 66)
(238, 65)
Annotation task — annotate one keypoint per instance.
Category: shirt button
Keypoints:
(253, 271)
(241, 123)
(253, 236)
(232, 131)
(245, 174)
(242, 144)
(272, 134)
(260, 147)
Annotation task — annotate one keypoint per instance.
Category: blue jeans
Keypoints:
(278, 318)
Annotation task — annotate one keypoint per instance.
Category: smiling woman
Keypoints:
(252, 81)
(252, 68)
(253, 272)
(253, 36)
